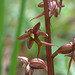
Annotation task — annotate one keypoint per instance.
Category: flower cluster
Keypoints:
(53, 8)
(32, 34)
(68, 49)
(35, 63)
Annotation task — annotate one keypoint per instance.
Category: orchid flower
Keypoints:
(32, 34)
(68, 49)
(35, 63)
(53, 8)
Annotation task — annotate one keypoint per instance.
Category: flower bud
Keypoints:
(37, 63)
(65, 49)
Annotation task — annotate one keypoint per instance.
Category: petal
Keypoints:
(29, 30)
(41, 5)
(38, 16)
(37, 63)
(36, 27)
(69, 66)
(63, 5)
(23, 59)
(27, 68)
(47, 44)
(23, 37)
(42, 34)
(56, 13)
(30, 42)
(73, 55)
(73, 43)
(60, 6)
(65, 49)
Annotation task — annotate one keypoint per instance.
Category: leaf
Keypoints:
(23, 37)
(30, 42)
(37, 63)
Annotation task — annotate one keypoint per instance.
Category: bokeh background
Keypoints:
(15, 16)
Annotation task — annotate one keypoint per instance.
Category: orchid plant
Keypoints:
(50, 8)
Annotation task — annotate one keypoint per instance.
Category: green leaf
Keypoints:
(2, 30)
(13, 64)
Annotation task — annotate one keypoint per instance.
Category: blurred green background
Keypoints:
(15, 16)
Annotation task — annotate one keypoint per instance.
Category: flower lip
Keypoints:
(27, 68)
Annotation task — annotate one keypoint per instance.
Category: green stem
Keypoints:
(13, 64)
(2, 30)
(48, 39)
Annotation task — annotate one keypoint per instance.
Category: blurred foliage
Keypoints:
(62, 30)
(2, 30)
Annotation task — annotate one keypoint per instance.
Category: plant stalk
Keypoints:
(50, 63)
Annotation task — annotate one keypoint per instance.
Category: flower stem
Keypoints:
(48, 39)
